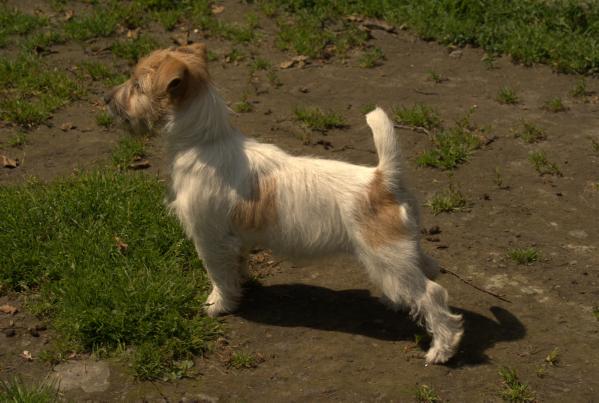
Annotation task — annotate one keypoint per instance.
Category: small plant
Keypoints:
(372, 58)
(261, 64)
(418, 115)
(507, 96)
(553, 358)
(242, 360)
(580, 89)
(101, 72)
(555, 105)
(490, 61)
(513, 389)
(596, 312)
(127, 150)
(167, 18)
(317, 120)
(524, 256)
(426, 394)
(243, 106)
(541, 371)
(133, 49)
(101, 23)
(18, 140)
(595, 145)
(17, 391)
(273, 78)
(498, 179)
(530, 133)
(448, 201)
(436, 77)
(234, 56)
(104, 119)
(367, 108)
(542, 165)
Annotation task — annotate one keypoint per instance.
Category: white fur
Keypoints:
(317, 203)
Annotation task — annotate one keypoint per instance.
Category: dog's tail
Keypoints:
(385, 142)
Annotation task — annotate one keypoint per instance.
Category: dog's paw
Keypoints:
(217, 305)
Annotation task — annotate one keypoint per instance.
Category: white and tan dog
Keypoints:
(232, 193)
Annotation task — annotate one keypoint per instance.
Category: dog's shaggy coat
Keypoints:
(232, 193)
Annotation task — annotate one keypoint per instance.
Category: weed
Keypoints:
(242, 360)
(513, 389)
(42, 41)
(448, 201)
(274, 79)
(524, 256)
(542, 165)
(418, 115)
(17, 391)
(530, 133)
(100, 23)
(133, 49)
(553, 358)
(367, 108)
(14, 22)
(490, 61)
(107, 231)
(317, 120)
(104, 119)
(372, 58)
(555, 105)
(30, 91)
(595, 145)
(452, 146)
(234, 56)
(167, 18)
(436, 77)
(261, 64)
(18, 140)
(243, 106)
(580, 89)
(498, 179)
(596, 312)
(541, 371)
(507, 96)
(426, 394)
(101, 72)
(127, 150)
(211, 56)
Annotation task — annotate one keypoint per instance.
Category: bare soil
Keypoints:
(319, 329)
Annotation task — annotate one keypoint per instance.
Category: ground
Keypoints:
(316, 330)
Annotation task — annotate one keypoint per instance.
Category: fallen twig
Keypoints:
(444, 270)
(415, 128)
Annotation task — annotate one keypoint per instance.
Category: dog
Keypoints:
(232, 193)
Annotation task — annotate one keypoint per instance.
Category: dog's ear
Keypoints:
(173, 77)
(198, 49)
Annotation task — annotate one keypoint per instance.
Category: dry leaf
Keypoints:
(67, 126)
(26, 355)
(68, 15)
(9, 309)
(121, 246)
(217, 9)
(133, 33)
(301, 60)
(9, 162)
(286, 64)
(139, 163)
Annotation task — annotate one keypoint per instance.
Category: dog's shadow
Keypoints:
(357, 312)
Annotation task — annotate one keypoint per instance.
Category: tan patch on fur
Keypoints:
(380, 214)
(259, 210)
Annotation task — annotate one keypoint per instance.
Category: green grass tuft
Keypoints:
(553, 358)
(104, 119)
(14, 22)
(243, 106)
(580, 89)
(100, 23)
(127, 150)
(524, 256)
(555, 105)
(507, 96)
(426, 394)
(17, 391)
(542, 165)
(514, 390)
(317, 120)
(101, 72)
(113, 269)
(448, 201)
(134, 49)
(418, 115)
(372, 58)
(242, 360)
(530, 133)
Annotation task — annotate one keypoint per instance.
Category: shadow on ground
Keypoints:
(357, 312)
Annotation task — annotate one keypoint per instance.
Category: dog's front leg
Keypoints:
(222, 259)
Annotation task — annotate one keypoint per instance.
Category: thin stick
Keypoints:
(444, 270)
(415, 128)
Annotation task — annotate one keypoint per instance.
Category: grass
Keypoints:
(372, 58)
(134, 49)
(530, 133)
(104, 119)
(514, 390)
(19, 139)
(14, 22)
(418, 115)
(426, 394)
(261, 64)
(596, 312)
(242, 360)
(100, 23)
(447, 201)
(553, 358)
(101, 72)
(524, 256)
(595, 145)
(507, 96)
(127, 150)
(542, 165)
(30, 90)
(580, 89)
(555, 105)
(452, 146)
(318, 120)
(17, 391)
(243, 106)
(112, 270)
(436, 77)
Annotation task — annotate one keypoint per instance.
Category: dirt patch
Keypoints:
(320, 328)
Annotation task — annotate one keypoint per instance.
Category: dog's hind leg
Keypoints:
(396, 268)
(223, 261)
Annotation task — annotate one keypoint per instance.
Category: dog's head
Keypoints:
(162, 83)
